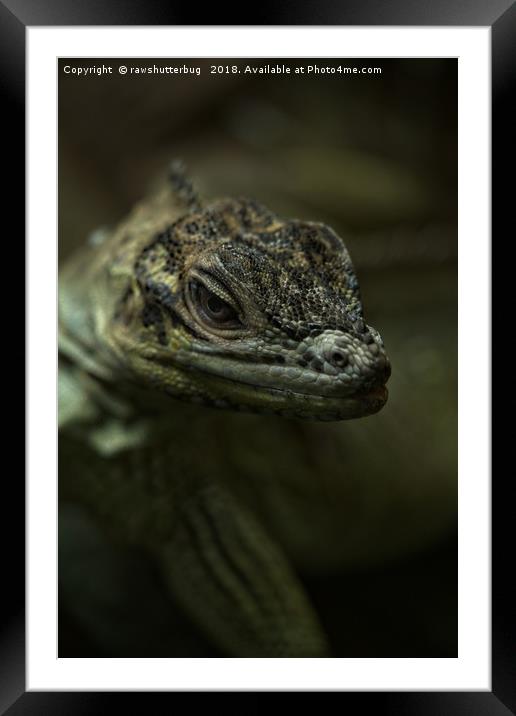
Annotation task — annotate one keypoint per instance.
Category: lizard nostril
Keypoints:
(339, 358)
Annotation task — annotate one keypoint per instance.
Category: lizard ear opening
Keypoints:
(182, 185)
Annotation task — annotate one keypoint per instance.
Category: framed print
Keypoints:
(270, 248)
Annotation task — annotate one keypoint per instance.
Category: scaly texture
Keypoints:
(224, 305)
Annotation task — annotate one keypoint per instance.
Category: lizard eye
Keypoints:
(212, 309)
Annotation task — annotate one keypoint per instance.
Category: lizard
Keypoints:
(189, 307)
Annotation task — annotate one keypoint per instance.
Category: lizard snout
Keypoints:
(355, 358)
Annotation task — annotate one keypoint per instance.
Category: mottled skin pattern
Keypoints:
(225, 305)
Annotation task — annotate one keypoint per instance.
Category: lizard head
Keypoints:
(234, 307)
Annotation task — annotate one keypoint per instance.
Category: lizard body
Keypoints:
(186, 305)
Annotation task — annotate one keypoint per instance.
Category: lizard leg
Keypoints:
(234, 581)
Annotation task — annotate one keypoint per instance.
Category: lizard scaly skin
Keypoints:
(223, 305)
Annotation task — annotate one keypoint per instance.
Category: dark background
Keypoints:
(375, 156)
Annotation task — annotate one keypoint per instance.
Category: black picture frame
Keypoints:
(500, 15)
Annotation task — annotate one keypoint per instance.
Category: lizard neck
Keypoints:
(95, 281)
(98, 396)
(78, 334)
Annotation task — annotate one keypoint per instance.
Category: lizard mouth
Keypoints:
(290, 391)
(230, 392)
